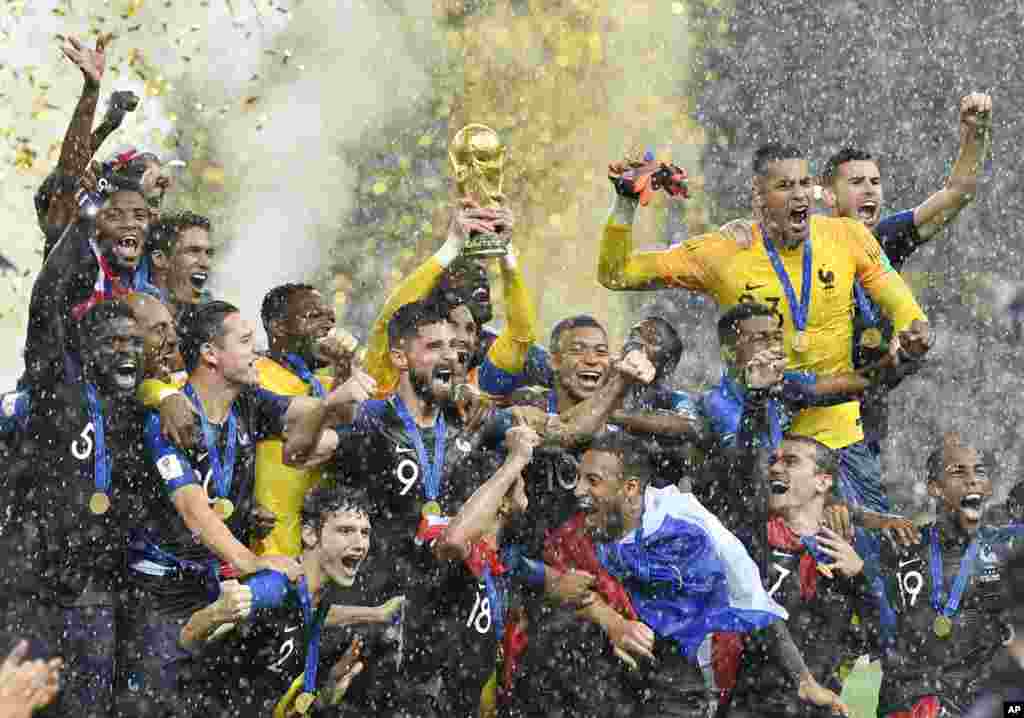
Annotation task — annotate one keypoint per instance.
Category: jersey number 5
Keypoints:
(81, 448)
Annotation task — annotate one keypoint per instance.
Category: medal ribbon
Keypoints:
(222, 471)
(483, 561)
(798, 311)
(101, 466)
(963, 577)
(298, 365)
(738, 394)
(431, 470)
(313, 623)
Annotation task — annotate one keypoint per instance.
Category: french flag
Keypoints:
(687, 575)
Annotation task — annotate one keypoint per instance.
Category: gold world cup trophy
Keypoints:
(478, 164)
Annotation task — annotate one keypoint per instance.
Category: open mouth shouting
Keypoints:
(198, 280)
(972, 506)
(589, 379)
(128, 248)
(778, 487)
(798, 220)
(868, 212)
(444, 375)
(126, 374)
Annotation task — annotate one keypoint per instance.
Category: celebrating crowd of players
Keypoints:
(461, 522)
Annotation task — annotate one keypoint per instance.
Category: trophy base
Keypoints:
(485, 246)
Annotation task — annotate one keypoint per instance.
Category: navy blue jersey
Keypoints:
(163, 546)
(917, 662)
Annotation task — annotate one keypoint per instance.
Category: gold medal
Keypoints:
(223, 508)
(99, 503)
(942, 626)
(871, 338)
(800, 342)
(304, 702)
(431, 508)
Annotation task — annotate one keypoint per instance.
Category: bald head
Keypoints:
(158, 334)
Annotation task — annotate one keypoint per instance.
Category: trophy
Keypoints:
(478, 163)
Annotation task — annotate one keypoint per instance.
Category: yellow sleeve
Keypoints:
(152, 391)
(882, 282)
(684, 265)
(508, 352)
(414, 288)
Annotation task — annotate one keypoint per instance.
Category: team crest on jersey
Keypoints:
(463, 445)
(827, 279)
(170, 467)
(10, 404)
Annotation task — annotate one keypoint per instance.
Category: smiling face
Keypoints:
(755, 335)
(233, 354)
(784, 193)
(856, 192)
(794, 477)
(468, 280)
(189, 265)
(430, 361)
(603, 494)
(341, 546)
(581, 361)
(121, 227)
(113, 357)
(964, 486)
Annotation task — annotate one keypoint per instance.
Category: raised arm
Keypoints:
(77, 148)
(932, 216)
(479, 515)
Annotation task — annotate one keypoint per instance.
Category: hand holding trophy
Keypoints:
(478, 164)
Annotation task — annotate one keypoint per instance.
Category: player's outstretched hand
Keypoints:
(741, 231)
(27, 685)
(263, 520)
(520, 441)
(845, 559)
(837, 518)
(344, 672)
(234, 602)
(631, 640)
(899, 528)
(917, 340)
(765, 370)
(473, 405)
(177, 420)
(282, 564)
(814, 693)
(637, 367)
(573, 588)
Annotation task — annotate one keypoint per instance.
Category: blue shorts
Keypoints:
(860, 477)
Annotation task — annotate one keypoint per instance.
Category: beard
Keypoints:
(423, 386)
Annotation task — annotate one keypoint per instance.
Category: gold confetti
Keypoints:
(133, 7)
(678, 8)
(213, 175)
(379, 187)
(24, 156)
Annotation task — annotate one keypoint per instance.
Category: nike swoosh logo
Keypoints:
(909, 561)
(400, 450)
(201, 456)
(751, 287)
(290, 629)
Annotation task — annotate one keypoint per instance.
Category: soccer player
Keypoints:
(853, 188)
(199, 505)
(1007, 681)
(686, 576)
(90, 264)
(406, 452)
(180, 254)
(268, 634)
(57, 200)
(78, 474)
(817, 257)
(813, 573)
(447, 278)
(159, 337)
(298, 323)
(946, 597)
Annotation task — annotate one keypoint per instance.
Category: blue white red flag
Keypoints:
(687, 575)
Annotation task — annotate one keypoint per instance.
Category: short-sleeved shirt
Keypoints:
(918, 663)
(843, 251)
(163, 545)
